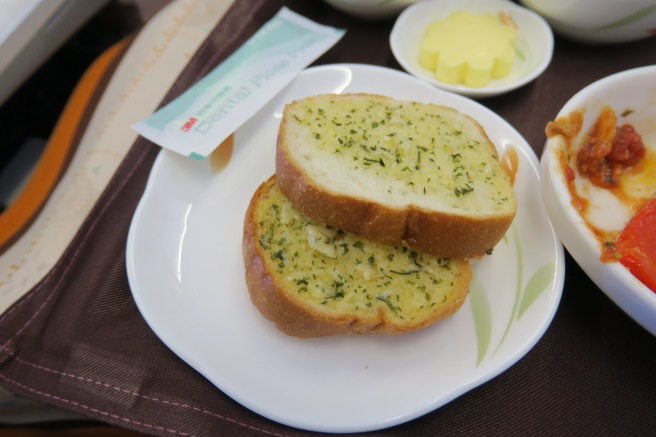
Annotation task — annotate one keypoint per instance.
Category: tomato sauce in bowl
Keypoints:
(612, 157)
(603, 225)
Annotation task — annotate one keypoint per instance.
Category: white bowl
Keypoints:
(534, 43)
(598, 22)
(636, 90)
(371, 9)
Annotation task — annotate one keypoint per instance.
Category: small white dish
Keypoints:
(534, 45)
(632, 93)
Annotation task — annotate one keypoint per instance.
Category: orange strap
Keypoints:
(58, 151)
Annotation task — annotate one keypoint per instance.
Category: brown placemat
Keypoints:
(78, 341)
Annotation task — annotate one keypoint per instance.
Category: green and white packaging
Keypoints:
(197, 122)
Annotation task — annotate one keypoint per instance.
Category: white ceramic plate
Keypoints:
(633, 90)
(534, 45)
(186, 273)
(595, 22)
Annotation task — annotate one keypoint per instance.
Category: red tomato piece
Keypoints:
(637, 245)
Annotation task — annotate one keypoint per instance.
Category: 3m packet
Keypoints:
(197, 122)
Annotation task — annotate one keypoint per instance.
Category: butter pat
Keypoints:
(468, 48)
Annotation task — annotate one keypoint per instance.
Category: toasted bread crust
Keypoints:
(440, 233)
(295, 317)
(434, 232)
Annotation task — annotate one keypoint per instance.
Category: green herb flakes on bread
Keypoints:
(313, 280)
(395, 171)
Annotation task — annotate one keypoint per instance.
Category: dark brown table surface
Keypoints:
(592, 373)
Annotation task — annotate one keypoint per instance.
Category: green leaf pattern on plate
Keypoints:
(536, 285)
(631, 18)
(525, 296)
(482, 317)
